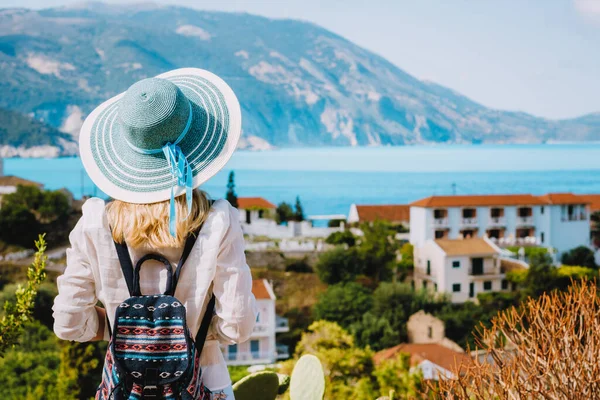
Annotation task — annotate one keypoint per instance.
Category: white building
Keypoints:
(257, 216)
(460, 267)
(262, 347)
(557, 220)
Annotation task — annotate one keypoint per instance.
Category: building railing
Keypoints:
(497, 221)
(249, 356)
(469, 221)
(525, 220)
(261, 328)
(283, 351)
(511, 241)
(440, 222)
(574, 217)
(281, 324)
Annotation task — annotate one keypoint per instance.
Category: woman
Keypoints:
(150, 148)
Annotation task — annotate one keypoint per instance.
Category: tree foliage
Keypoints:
(231, 196)
(378, 249)
(341, 238)
(298, 211)
(343, 303)
(20, 312)
(284, 213)
(339, 265)
(582, 256)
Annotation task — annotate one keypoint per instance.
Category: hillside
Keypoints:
(298, 84)
(24, 136)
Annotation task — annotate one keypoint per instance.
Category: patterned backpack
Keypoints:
(151, 354)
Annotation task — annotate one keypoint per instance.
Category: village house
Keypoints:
(255, 210)
(262, 347)
(557, 220)
(461, 267)
(396, 214)
(8, 184)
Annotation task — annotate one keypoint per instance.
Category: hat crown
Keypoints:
(152, 113)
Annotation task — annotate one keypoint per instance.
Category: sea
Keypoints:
(329, 180)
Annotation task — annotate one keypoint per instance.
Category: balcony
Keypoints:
(283, 351)
(512, 241)
(497, 221)
(251, 357)
(525, 220)
(440, 222)
(469, 221)
(281, 324)
(260, 329)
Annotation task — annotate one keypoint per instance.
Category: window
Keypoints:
(487, 285)
(424, 284)
(258, 317)
(504, 284)
(477, 266)
(439, 214)
(497, 212)
(571, 211)
(471, 289)
(261, 213)
(525, 212)
(469, 213)
(494, 233)
(254, 348)
(440, 234)
(456, 264)
(428, 267)
(542, 210)
(435, 287)
(232, 351)
(429, 332)
(248, 217)
(456, 287)
(542, 237)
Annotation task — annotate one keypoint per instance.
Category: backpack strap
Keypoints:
(126, 265)
(200, 338)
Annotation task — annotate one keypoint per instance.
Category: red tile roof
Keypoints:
(480, 200)
(433, 352)
(15, 181)
(593, 200)
(564, 198)
(466, 247)
(261, 291)
(388, 212)
(245, 203)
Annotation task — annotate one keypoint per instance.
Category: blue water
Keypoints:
(328, 180)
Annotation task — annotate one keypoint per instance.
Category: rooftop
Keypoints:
(466, 247)
(388, 212)
(261, 289)
(439, 355)
(507, 264)
(15, 181)
(565, 198)
(245, 203)
(594, 201)
(480, 200)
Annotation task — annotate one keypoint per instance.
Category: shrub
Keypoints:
(340, 238)
(298, 265)
(339, 265)
(579, 256)
(344, 303)
(547, 349)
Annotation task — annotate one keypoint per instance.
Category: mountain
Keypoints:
(298, 84)
(23, 136)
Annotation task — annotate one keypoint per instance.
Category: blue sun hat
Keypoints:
(161, 138)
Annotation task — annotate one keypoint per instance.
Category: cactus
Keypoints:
(284, 383)
(263, 385)
(308, 380)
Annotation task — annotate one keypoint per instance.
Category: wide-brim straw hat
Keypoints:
(161, 138)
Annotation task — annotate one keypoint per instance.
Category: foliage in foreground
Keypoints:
(20, 312)
(547, 349)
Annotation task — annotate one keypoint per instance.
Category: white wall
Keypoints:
(566, 235)
(353, 214)
(421, 225)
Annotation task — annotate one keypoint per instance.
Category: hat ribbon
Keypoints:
(182, 176)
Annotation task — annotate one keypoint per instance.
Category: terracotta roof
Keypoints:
(507, 265)
(593, 200)
(433, 352)
(466, 247)
(260, 290)
(245, 203)
(388, 212)
(479, 200)
(564, 198)
(15, 181)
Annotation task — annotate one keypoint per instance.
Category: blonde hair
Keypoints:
(147, 225)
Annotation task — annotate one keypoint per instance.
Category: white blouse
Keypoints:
(217, 262)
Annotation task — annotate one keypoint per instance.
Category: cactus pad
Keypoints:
(308, 380)
(261, 385)
(284, 383)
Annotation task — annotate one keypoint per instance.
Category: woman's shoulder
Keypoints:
(94, 214)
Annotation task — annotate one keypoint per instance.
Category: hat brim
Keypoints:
(130, 176)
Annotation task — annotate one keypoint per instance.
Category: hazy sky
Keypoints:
(537, 56)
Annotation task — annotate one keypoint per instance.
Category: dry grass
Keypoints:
(547, 349)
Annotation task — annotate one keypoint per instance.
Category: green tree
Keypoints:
(339, 265)
(378, 250)
(580, 256)
(397, 375)
(231, 196)
(54, 206)
(284, 213)
(541, 275)
(373, 331)
(18, 225)
(343, 237)
(348, 368)
(343, 303)
(298, 211)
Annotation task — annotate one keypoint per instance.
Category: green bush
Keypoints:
(579, 256)
(343, 303)
(339, 265)
(340, 238)
(298, 265)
